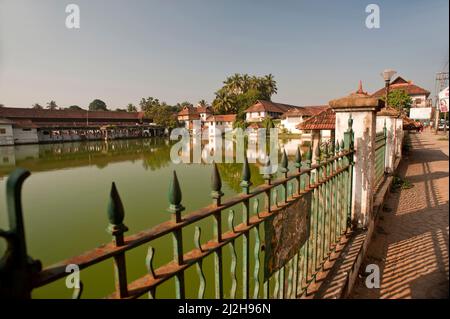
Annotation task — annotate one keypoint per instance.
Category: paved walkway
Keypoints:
(410, 243)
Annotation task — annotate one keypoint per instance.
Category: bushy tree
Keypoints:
(131, 108)
(75, 108)
(146, 104)
(97, 105)
(399, 100)
(37, 106)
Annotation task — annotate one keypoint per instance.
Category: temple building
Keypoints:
(26, 125)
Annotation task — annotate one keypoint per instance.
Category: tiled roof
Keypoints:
(5, 121)
(268, 106)
(325, 120)
(409, 124)
(388, 111)
(255, 125)
(221, 118)
(401, 84)
(203, 109)
(188, 110)
(28, 113)
(304, 111)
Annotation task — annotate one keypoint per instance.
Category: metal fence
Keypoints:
(327, 181)
(380, 155)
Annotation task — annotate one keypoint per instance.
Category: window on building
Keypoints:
(2, 131)
(418, 101)
(26, 129)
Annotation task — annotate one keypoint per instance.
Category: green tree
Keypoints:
(37, 106)
(147, 104)
(399, 100)
(202, 103)
(268, 123)
(97, 105)
(241, 91)
(131, 108)
(224, 103)
(247, 99)
(75, 108)
(163, 115)
(52, 105)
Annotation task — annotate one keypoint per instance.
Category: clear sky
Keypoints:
(183, 50)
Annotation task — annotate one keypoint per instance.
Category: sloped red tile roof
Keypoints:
(203, 109)
(409, 124)
(268, 106)
(325, 120)
(255, 125)
(221, 118)
(388, 111)
(304, 111)
(401, 84)
(28, 113)
(188, 110)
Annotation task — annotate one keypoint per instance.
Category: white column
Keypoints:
(362, 110)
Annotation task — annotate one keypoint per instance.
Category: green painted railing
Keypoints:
(380, 155)
(327, 180)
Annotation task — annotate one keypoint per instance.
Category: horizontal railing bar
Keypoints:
(105, 251)
(144, 284)
(378, 147)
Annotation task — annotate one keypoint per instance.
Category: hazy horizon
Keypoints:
(182, 50)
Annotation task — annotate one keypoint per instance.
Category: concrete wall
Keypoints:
(25, 135)
(290, 124)
(6, 135)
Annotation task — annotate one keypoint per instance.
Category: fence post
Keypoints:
(362, 109)
(387, 117)
(16, 267)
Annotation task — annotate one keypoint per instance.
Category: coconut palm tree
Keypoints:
(224, 103)
(202, 103)
(270, 84)
(52, 105)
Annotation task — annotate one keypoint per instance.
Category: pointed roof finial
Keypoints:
(360, 89)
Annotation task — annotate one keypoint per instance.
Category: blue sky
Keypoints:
(183, 50)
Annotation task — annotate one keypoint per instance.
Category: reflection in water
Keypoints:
(154, 153)
(42, 157)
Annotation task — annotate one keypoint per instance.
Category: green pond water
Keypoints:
(65, 201)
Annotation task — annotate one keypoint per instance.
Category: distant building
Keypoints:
(262, 109)
(293, 117)
(418, 95)
(190, 113)
(35, 126)
(220, 122)
(6, 132)
(319, 127)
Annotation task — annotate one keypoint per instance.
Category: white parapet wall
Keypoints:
(25, 135)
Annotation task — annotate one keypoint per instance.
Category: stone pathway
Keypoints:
(410, 243)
